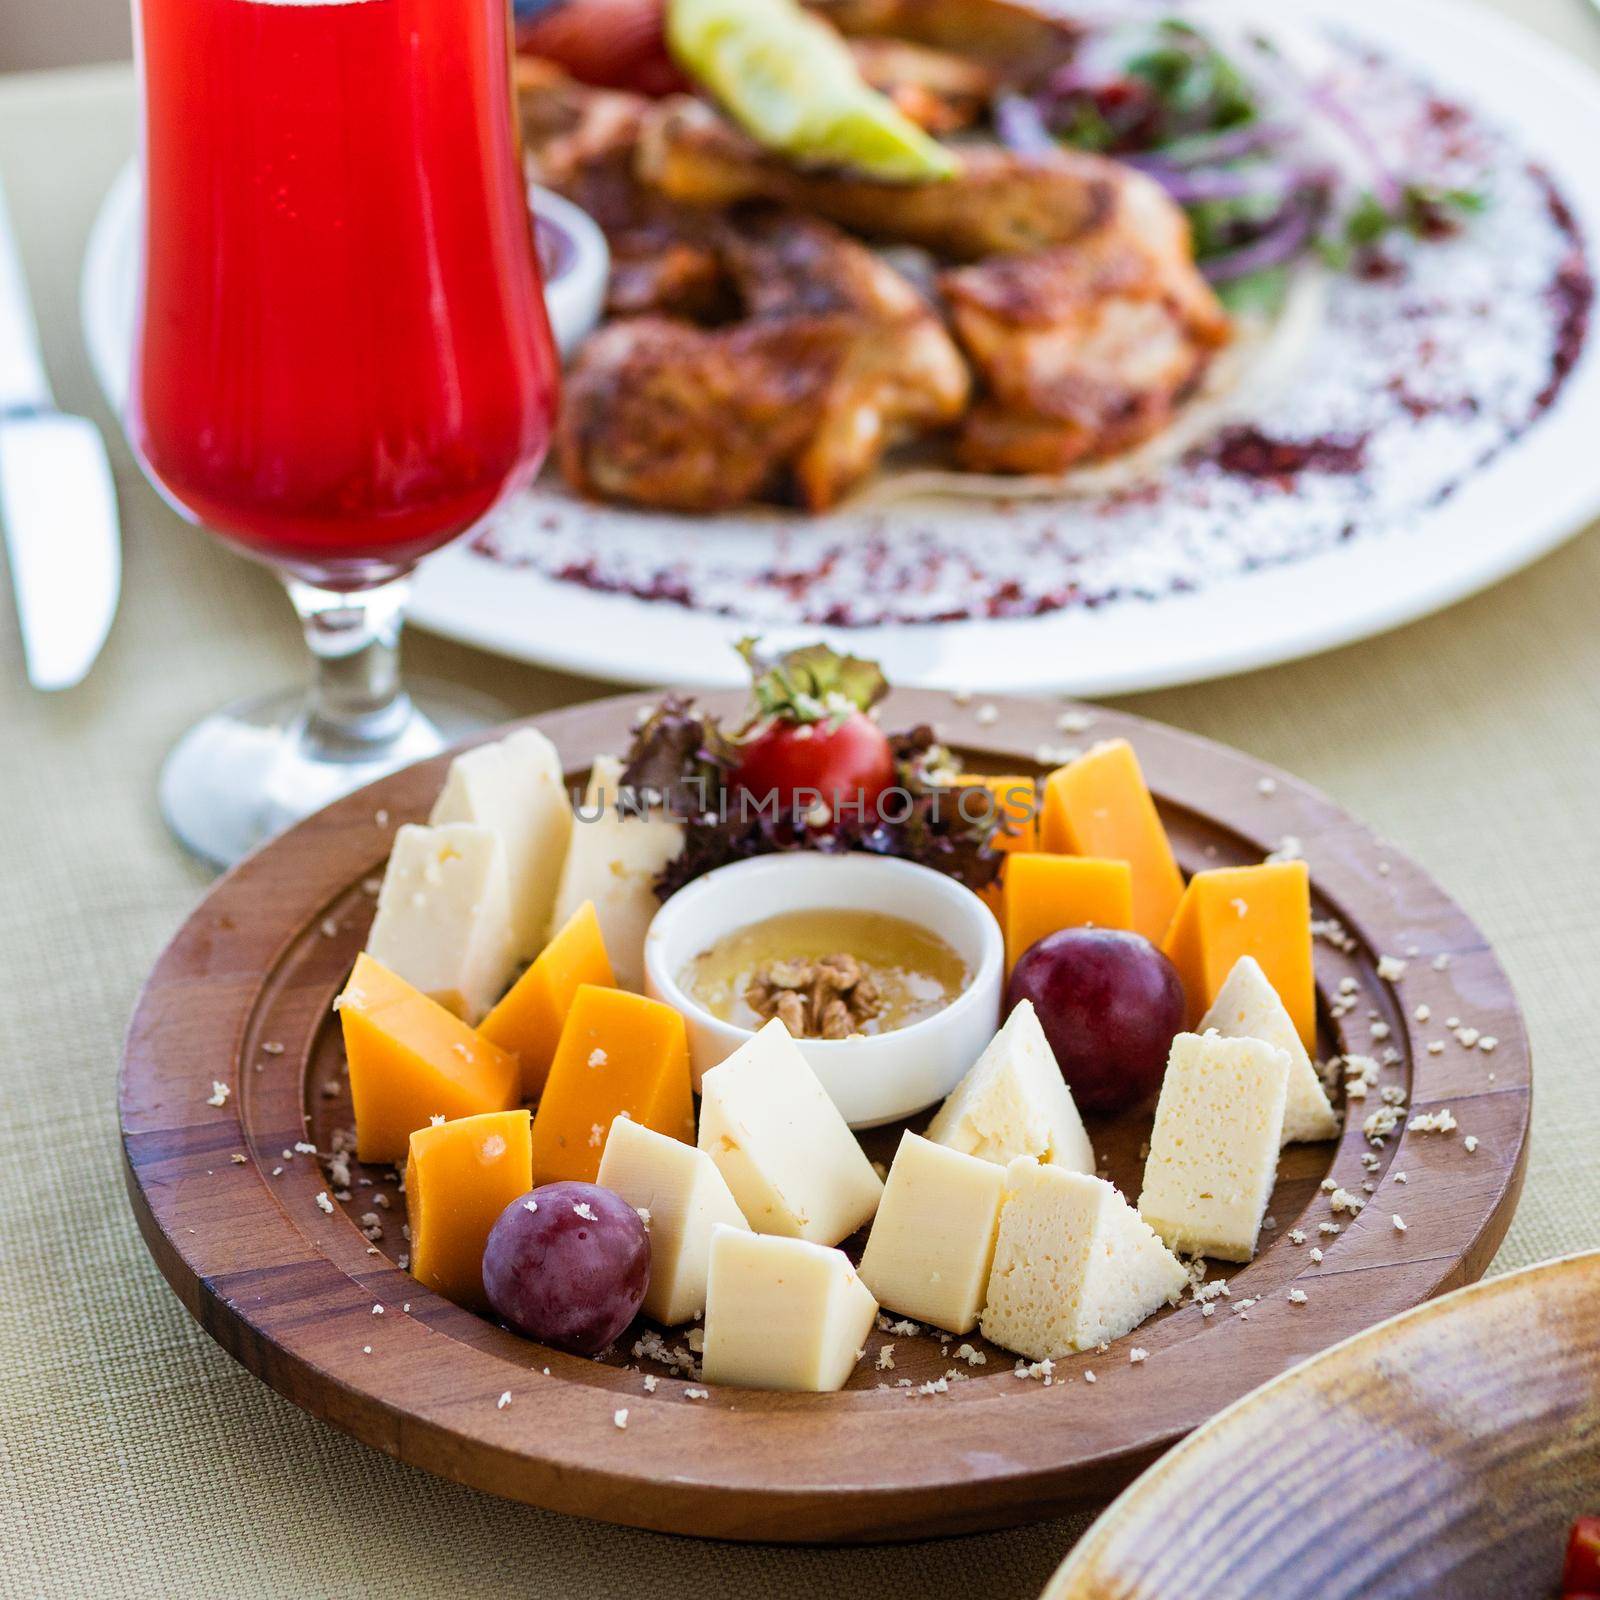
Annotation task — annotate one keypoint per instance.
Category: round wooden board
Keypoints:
(230, 1209)
(1443, 1454)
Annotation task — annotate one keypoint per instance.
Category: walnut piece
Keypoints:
(827, 999)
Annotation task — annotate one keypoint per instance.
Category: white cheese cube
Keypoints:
(1248, 1007)
(1214, 1148)
(788, 1156)
(444, 916)
(933, 1238)
(614, 857)
(1074, 1266)
(783, 1314)
(1014, 1102)
(516, 788)
(685, 1198)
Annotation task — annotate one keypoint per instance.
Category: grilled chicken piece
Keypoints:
(1022, 40)
(1086, 350)
(935, 89)
(1000, 203)
(840, 358)
(580, 142)
(784, 264)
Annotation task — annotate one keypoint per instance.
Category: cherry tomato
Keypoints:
(842, 760)
(612, 44)
(1582, 1571)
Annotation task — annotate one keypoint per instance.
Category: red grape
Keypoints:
(568, 1265)
(1110, 1004)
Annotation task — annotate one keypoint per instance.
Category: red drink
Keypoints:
(343, 358)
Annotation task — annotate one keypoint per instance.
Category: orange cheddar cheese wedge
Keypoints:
(1015, 801)
(527, 1022)
(411, 1061)
(1263, 911)
(459, 1177)
(1099, 806)
(1045, 893)
(619, 1055)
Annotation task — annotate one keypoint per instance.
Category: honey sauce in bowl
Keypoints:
(827, 973)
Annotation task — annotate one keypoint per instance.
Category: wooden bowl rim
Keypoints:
(1078, 1577)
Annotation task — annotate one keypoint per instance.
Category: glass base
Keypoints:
(247, 772)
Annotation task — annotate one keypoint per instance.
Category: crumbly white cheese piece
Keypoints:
(444, 916)
(684, 1197)
(1075, 1266)
(1214, 1147)
(1014, 1102)
(790, 1159)
(515, 788)
(933, 1238)
(1248, 1007)
(616, 852)
(783, 1313)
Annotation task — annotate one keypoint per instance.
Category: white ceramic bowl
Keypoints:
(576, 264)
(872, 1080)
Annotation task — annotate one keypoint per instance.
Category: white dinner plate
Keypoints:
(1491, 518)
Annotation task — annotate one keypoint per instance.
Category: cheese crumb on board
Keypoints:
(1440, 1121)
(619, 1417)
(1074, 1265)
(1014, 1102)
(503, 1401)
(1214, 1148)
(1248, 1007)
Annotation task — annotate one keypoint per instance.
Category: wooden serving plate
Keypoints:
(1442, 1454)
(230, 1209)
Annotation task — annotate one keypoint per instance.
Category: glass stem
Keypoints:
(357, 703)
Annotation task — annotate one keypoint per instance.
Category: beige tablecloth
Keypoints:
(135, 1458)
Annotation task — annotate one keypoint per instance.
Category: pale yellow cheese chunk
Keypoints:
(614, 857)
(1074, 1265)
(1248, 1007)
(515, 788)
(1014, 1102)
(790, 1159)
(1214, 1147)
(684, 1200)
(783, 1313)
(444, 917)
(933, 1237)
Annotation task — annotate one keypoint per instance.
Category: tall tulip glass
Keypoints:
(342, 359)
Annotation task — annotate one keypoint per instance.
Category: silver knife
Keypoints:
(57, 501)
